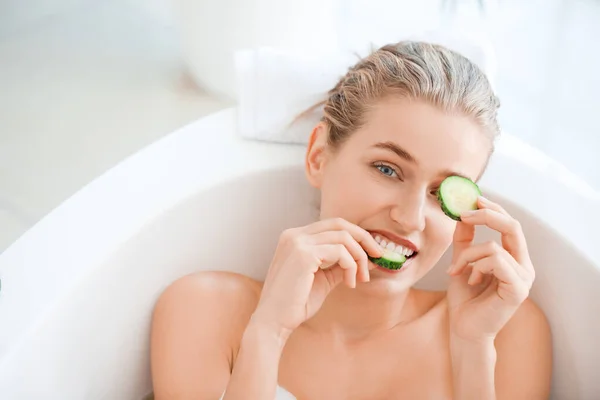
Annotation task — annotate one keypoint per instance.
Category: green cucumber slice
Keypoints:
(457, 195)
(390, 260)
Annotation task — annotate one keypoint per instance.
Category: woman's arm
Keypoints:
(488, 298)
(473, 366)
(516, 366)
(198, 324)
(201, 321)
(254, 375)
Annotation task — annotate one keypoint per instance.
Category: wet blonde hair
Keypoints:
(417, 70)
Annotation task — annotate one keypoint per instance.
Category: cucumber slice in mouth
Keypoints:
(457, 195)
(390, 260)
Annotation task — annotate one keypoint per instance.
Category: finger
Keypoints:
(518, 250)
(484, 250)
(484, 202)
(509, 228)
(332, 254)
(499, 267)
(472, 254)
(334, 275)
(510, 285)
(345, 238)
(462, 239)
(475, 278)
(359, 234)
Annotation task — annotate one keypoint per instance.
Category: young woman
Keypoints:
(327, 323)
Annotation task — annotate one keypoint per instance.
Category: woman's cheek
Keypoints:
(353, 195)
(340, 197)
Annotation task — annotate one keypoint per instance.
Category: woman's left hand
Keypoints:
(488, 282)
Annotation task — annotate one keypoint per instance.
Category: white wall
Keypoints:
(16, 15)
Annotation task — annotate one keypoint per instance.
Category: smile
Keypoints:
(389, 245)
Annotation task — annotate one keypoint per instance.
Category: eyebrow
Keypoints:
(405, 155)
(399, 151)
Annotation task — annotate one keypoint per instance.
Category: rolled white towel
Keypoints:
(275, 85)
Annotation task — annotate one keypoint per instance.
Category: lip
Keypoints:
(397, 239)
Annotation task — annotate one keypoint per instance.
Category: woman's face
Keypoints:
(384, 178)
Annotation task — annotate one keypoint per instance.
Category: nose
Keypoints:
(409, 212)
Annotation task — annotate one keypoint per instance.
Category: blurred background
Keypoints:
(84, 84)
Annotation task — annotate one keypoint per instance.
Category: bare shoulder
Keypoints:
(203, 283)
(528, 326)
(524, 354)
(212, 297)
(197, 325)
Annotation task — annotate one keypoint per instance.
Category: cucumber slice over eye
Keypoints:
(457, 195)
(390, 260)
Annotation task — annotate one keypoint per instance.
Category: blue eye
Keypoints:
(386, 170)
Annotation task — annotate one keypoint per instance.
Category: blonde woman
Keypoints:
(327, 323)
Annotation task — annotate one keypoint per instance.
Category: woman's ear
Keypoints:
(316, 155)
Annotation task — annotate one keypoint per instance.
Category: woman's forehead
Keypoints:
(433, 138)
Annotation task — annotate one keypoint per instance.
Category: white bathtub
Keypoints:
(78, 289)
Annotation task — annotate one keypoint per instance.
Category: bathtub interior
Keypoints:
(96, 345)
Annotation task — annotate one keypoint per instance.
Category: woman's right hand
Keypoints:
(309, 262)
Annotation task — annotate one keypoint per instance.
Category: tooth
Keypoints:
(383, 243)
(378, 239)
(390, 246)
(410, 253)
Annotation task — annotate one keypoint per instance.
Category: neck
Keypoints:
(355, 314)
